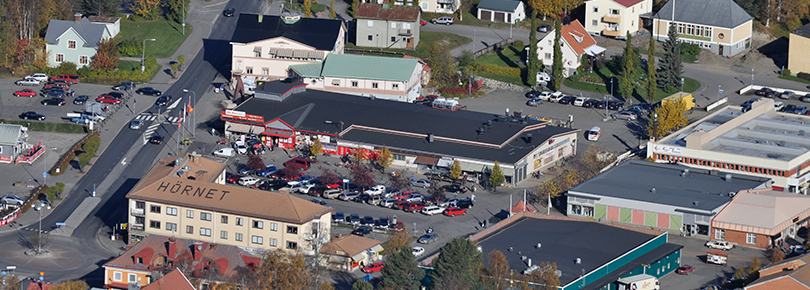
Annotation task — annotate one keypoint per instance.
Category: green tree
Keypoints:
(460, 258)
(355, 3)
(362, 285)
(652, 75)
(534, 61)
(442, 62)
(308, 8)
(584, 65)
(557, 64)
(628, 69)
(316, 148)
(181, 59)
(455, 170)
(174, 10)
(496, 177)
(332, 13)
(385, 157)
(495, 276)
(670, 117)
(100, 7)
(401, 271)
(415, 3)
(671, 67)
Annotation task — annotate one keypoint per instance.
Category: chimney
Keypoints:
(198, 251)
(261, 17)
(430, 137)
(77, 16)
(171, 248)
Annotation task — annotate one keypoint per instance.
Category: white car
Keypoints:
(240, 147)
(544, 96)
(388, 202)
(556, 96)
(38, 76)
(375, 190)
(778, 106)
(723, 245)
(579, 101)
(418, 251)
(27, 82)
(224, 152)
(431, 210)
(302, 188)
(12, 199)
(248, 180)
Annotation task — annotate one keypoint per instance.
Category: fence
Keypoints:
(364, 51)
(498, 44)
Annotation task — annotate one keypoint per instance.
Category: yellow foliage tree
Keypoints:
(281, 270)
(308, 8)
(455, 170)
(144, 8)
(670, 117)
(547, 7)
(72, 285)
(316, 148)
(385, 157)
(549, 189)
(397, 241)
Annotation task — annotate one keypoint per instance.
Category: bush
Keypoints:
(804, 76)
(501, 70)
(181, 59)
(128, 46)
(786, 72)
(519, 44)
(55, 192)
(690, 48)
(84, 158)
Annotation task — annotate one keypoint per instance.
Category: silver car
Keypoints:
(135, 124)
(428, 238)
(12, 199)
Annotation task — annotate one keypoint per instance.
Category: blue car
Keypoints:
(338, 217)
(269, 170)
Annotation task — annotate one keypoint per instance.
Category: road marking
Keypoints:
(174, 104)
(124, 161)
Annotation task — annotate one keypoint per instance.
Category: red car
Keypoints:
(374, 267)
(335, 184)
(422, 22)
(685, 269)
(108, 99)
(400, 196)
(25, 93)
(232, 178)
(454, 211)
(69, 78)
(400, 204)
(414, 206)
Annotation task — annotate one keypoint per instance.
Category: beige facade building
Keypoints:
(798, 62)
(615, 18)
(720, 26)
(186, 197)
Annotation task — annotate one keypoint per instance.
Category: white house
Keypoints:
(507, 11)
(576, 42)
(615, 18)
(440, 6)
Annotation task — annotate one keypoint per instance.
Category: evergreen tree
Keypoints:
(362, 285)
(628, 69)
(534, 61)
(652, 76)
(671, 67)
(401, 271)
(496, 177)
(355, 3)
(557, 65)
(459, 260)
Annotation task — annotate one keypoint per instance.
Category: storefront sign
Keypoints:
(179, 188)
(239, 115)
(667, 149)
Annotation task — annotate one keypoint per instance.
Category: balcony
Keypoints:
(446, 1)
(137, 211)
(613, 32)
(612, 18)
(405, 32)
(136, 228)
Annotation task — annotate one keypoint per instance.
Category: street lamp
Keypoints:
(194, 115)
(184, 16)
(474, 34)
(752, 77)
(38, 208)
(655, 127)
(143, 54)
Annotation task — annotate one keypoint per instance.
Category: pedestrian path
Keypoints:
(149, 117)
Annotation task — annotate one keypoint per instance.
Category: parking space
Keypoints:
(694, 254)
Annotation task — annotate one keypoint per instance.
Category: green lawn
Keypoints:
(510, 56)
(795, 79)
(509, 79)
(49, 127)
(470, 19)
(639, 93)
(128, 65)
(168, 35)
(425, 38)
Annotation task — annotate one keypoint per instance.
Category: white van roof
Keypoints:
(596, 128)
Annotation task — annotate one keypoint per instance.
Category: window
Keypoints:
(59, 57)
(336, 83)
(154, 208)
(172, 227)
(71, 44)
(424, 5)
(595, 9)
(594, 22)
(140, 205)
(205, 286)
(83, 59)
(171, 211)
(751, 238)
(257, 53)
(680, 28)
(273, 243)
(292, 245)
(238, 237)
(548, 55)
(399, 157)
(292, 230)
(719, 234)
(395, 86)
(206, 216)
(189, 229)
(117, 276)
(249, 70)
(614, 11)
(549, 42)
(370, 23)
(393, 25)
(258, 224)
(139, 220)
(374, 85)
(698, 30)
(239, 221)
(257, 240)
(265, 71)
(370, 38)
(223, 219)
(274, 227)
(393, 38)
(708, 32)
(154, 224)
(690, 29)
(223, 235)
(131, 278)
(354, 84)
(190, 214)
(205, 232)
(406, 25)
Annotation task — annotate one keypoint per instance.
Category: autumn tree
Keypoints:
(545, 277)
(546, 7)
(291, 170)
(175, 12)
(399, 240)
(328, 176)
(652, 75)
(359, 155)
(557, 63)
(282, 270)
(668, 117)
(496, 275)
(13, 283)
(442, 63)
(355, 3)
(777, 255)
(255, 163)
(385, 157)
(670, 69)
(106, 57)
(332, 13)
(460, 258)
(496, 177)
(401, 271)
(756, 265)
(546, 191)
(628, 69)
(147, 9)
(361, 174)
(435, 191)
(316, 148)
(455, 170)
(362, 285)
(308, 8)
(72, 285)
(100, 7)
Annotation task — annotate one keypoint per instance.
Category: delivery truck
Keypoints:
(638, 282)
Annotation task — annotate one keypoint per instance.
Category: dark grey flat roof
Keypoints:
(646, 259)
(562, 242)
(635, 180)
(319, 33)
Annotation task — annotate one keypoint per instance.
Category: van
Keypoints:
(302, 162)
(594, 133)
(331, 193)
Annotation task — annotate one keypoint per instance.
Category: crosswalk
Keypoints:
(145, 117)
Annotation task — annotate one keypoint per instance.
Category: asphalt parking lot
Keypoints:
(694, 254)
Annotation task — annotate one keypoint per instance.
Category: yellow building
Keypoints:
(799, 41)
(688, 99)
(720, 26)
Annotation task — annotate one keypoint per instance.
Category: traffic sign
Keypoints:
(367, 278)
(44, 174)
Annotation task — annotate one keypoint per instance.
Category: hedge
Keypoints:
(90, 142)
(804, 76)
(500, 70)
(89, 75)
(55, 192)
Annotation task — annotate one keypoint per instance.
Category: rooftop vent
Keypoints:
(781, 143)
(430, 137)
(510, 249)
(696, 203)
(801, 132)
(652, 190)
(538, 246)
(578, 261)
(728, 177)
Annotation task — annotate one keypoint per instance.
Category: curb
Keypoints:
(117, 252)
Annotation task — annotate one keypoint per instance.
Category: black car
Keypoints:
(600, 104)
(361, 231)
(353, 219)
(763, 92)
(787, 108)
(53, 102)
(567, 100)
(615, 105)
(465, 203)
(532, 94)
(363, 198)
(156, 139)
(163, 100)
(272, 185)
(53, 93)
(338, 217)
(80, 100)
(124, 86)
(383, 222)
(367, 221)
(589, 103)
(229, 12)
(30, 115)
(149, 91)
(454, 188)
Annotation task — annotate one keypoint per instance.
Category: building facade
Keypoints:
(440, 6)
(74, 41)
(615, 18)
(386, 26)
(507, 11)
(799, 41)
(576, 43)
(780, 215)
(721, 26)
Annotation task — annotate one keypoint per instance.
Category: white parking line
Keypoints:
(177, 102)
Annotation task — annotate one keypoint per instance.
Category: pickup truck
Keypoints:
(375, 190)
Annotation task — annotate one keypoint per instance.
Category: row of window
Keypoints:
(393, 25)
(393, 39)
(729, 166)
(720, 234)
(374, 85)
(206, 232)
(257, 52)
(249, 70)
(695, 30)
(83, 59)
(131, 278)
(206, 216)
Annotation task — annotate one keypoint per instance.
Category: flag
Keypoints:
(190, 109)
(179, 121)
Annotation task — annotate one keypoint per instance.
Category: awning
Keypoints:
(358, 256)
(273, 51)
(337, 259)
(240, 128)
(285, 52)
(316, 54)
(426, 160)
(377, 248)
(445, 163)
(300, 54)
(594, 50)
(256, 130)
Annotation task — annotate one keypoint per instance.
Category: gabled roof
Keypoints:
(360, 67)
(775, 210)
(625, 3)
(350, 245)
(9, 133)
(499, 5)
(387, 12)
(791, 274)
(175, 280)
(575, 35)
(803, 31)
(717, 13)
(320, 33)
(520, 206)
(91, 33)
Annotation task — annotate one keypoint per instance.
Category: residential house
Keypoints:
(156, 257)
(386, 26)
(576, 42)
(113, 23)
(378, 77)
(720, 26)
(792, 273)
(175, 280)
(264, 46)
(779, 216)
(186, 197)
(74, 41)
(665, 196)
(348, 253)
(440, 6)
(615, 18)
(798, 62)
(507, 11)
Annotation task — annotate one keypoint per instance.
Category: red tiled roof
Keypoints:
(379, 11)
(42, 286)
(627, 3)
(576, 36)
(175, 280)
(520, 207)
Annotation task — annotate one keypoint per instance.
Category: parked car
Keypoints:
(786, 95)
(567, 100)
(240, 147)
(763, 92)
(454, 188)
(31, 115)
(353, 219)
(269, 169)
(417, 251)
(338, 217)
(229, 12)
(428, 238)
(465, 203)
(124, 86)
(422, 22)
(685, 269)
(81, 120)
(400, 204)
(300, 161)
(533, 94)
(163, 100)
(447, 202)
(247, 181)
(446, 20)
(544, 28)
(56, 93)
(615, 105)
(589, 103)
(107, 99)
(41, 77)
(367, 221)
(12, 199)
(431, 210)
(424, 183)
(790, 108)
(624, 115)
(555, 98)
(156, 139)
(382, 223)
(69, 78)
(27, 82)
(232, 178)
(723, 245)
(388, 202)
(414, 206)
(374, 267)
(805, 98)
(320, 201)
(534, 102)
(149, 91)
(135, 124)
(224, 152)
(25, 93)
(454, 211)
(375, 190)
(361, 231)
(414, 197)
(53, 102)
(348, 195)
(81, 100)
(579, 101)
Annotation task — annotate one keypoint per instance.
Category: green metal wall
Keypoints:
(658, 269)
(600, 212)
(675, 222)
(650, 219)
(626, 215)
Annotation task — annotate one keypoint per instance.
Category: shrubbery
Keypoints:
(690, 48)
(128, 46)
(89, 145)
(804, 76)
(500, 70)
(55, 192)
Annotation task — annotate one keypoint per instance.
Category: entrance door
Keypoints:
(409, 43)
(720, 50)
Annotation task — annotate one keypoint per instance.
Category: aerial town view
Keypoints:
(390, 144)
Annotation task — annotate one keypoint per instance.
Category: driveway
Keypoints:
(482, 36)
